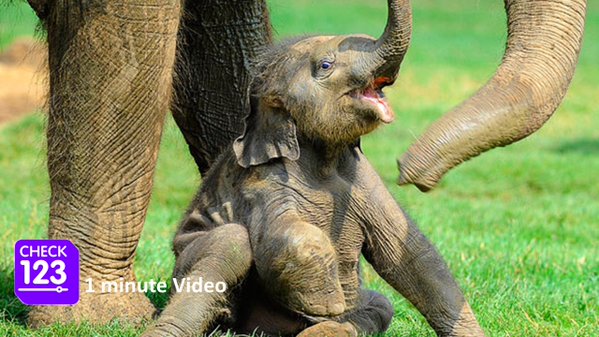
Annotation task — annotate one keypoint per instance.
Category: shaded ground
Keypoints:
(21, 79)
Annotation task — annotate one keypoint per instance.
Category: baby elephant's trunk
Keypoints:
(388, 52)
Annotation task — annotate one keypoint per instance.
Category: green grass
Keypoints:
(519, 226)
(16, 20)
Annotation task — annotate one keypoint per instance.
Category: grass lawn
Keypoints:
(519, 226)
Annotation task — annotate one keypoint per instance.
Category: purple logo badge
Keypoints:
(47, 272)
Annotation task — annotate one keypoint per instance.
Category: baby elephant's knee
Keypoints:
(226, 246)
(299, 265)
(232, 243)
(232, 233)
(304, 249)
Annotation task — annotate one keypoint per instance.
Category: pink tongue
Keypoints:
(385, 113)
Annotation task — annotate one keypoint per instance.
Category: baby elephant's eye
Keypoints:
(326, 65)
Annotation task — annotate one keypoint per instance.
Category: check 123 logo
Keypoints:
(46, 272)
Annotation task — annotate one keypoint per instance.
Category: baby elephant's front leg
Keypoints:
(222, 254)
(298, 266)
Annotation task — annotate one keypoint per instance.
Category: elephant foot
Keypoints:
(324, 303)
(97, 309)
(330, 329)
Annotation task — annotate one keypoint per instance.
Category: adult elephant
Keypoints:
(115, 64)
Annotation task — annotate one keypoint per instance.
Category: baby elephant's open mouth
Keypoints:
(373, 95)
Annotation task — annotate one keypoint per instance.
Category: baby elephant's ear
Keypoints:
(270, 133)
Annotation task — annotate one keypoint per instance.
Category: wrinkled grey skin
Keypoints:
(544, 41)
(114, 69)
(298, 187)
(292, 204)
(115, 64)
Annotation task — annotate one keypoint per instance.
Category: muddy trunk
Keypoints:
(544, 40)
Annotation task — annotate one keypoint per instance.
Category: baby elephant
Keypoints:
(285, 213)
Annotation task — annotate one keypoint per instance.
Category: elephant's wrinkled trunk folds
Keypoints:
(544, 40)
(389, 50)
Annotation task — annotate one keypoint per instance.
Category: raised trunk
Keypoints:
(384, 57)
(391, 47)
(216, 43)
(544, 39)
(110, 74)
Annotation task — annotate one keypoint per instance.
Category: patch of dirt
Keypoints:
(22, 79)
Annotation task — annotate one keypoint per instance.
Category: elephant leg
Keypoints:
(373, 315)
(222, 254)
(110, 77)
(404, 257)
(217, 40)
(299, 267)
